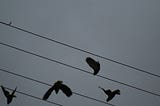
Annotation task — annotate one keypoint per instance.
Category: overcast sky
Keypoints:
(124, 30)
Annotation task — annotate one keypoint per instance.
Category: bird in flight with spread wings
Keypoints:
(110, 93)
(58, 86)
(8, 95)
(95, 65)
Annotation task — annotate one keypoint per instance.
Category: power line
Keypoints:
(52, 60)
(82, 50)
(26, 94)
(35, 80)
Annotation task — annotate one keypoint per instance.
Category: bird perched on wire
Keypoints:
(58, 86)
(8, 95)
(95, 65)
(110, 93)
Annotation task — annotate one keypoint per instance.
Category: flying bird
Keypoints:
(95, 65)
(8, 95)
(58, 86)
(110, 93)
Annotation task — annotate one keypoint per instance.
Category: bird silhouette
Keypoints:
(110, 93)
(8, 95)
(95, 65)
(58, 86)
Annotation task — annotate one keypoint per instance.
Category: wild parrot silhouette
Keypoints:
(110, 93)
(58, 86)
(8, 95)
(95, 65)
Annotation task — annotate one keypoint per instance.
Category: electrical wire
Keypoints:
(79, 49)
(35, 97)
(52, 60)
(35, 80)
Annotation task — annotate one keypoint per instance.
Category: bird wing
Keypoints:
(14, 92)
(66, 90)
(97, 68)
(48, 93)
(6, 93)
(90, 62)
(108, 92)
(93, 64)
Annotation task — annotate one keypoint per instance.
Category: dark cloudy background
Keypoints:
(123, 30)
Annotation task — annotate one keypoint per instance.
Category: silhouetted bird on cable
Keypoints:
(95, 65)
(58, 86)
(8, 95)
(110, 93)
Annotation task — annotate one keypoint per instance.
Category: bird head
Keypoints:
(117, 92)
(98, 64)
(59, 82)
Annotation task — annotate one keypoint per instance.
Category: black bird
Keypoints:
(8, 95)
(95, 65)
(58, 86)
(110, 93)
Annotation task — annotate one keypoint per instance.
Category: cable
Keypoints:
(31, 79)
(78, 69)
(26, 94)
(85, 51)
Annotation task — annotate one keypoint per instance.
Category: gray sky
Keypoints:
(123, 30)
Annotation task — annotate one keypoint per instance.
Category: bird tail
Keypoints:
(102, 88)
